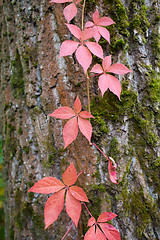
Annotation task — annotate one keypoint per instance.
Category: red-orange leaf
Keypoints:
(63, 113)
(91, 221)
(110, 232)
(77, 105)
(85, 128)
(106, 216)
(73, 208)
(78, 193)
(47, 185)
(90, 234)
(70, 176)
(85, 114)
(53, 207)
(70, 131)
(99, 235)
(112, 172)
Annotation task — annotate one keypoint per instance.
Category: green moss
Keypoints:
(16, 81)
(20, 131)
(11, 233)
(118, 13)
(95, 198)
(114, 148)
(117, 46)
(139, 20)
(26, 149)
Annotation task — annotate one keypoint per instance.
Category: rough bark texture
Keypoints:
(34, 82)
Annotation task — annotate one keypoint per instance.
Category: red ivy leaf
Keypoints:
(70, 12)
(112, 172)
(85, 114)
(54, 204)
(118, 68)
(110, 232)
(70, 131)
(91, 221)
(73, 208)
(100, 235)
(53, 207)
(90, 234)
(70, 176)
(78, 193)
(68, 47)
(77, 105)
(106, 216)
(47, 185)
(108, 81)
(85, 128)
(84, 57)
(63, 113)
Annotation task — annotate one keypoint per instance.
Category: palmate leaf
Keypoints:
(83, 54)
(98, 24)
(78, 119)
(54, 204)
(106, 80)
(108, 231)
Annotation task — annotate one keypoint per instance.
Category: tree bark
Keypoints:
(34, 82)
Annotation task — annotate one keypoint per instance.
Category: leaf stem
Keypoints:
(101, 151)
(80, 174)
(67, 231)
(87, 209)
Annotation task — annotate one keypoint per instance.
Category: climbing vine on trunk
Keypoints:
(74, 196)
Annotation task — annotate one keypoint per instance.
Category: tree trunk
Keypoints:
(34, 82)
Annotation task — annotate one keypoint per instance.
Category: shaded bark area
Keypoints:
(34, 82)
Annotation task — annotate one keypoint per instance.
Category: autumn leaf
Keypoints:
(106, 231)
(106, 80)
(54, 205)
(112, 170)
(83, 48)
(69, 11)
(98, 24)
(77, 118)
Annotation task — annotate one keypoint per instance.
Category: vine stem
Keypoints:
(67, 231)
(87, 209)
(84, 3)
(88, 96)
